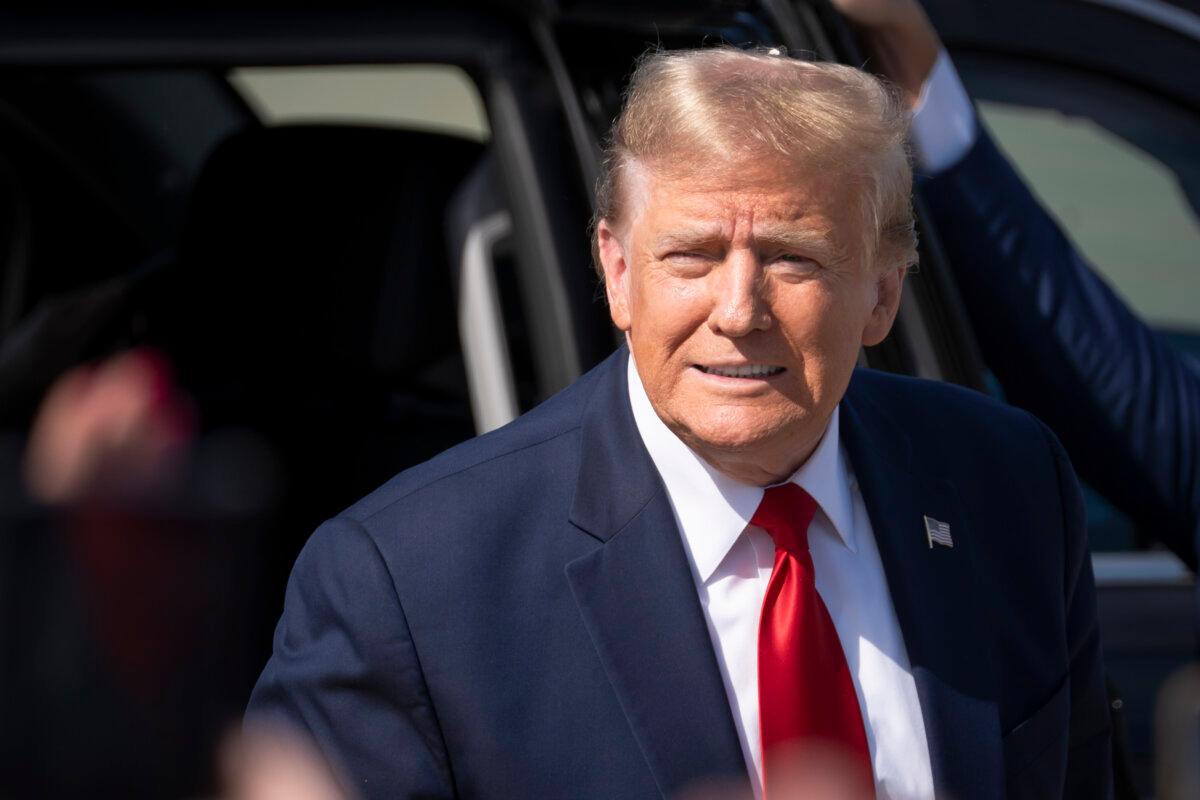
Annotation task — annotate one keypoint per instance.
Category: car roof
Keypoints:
(188, 33)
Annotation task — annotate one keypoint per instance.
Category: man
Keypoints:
(723, 554)
(1125, 402)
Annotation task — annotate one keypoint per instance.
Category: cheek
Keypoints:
(824, 322)
(666, 311)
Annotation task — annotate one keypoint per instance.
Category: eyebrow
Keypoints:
(800, 238)
(689, 236)
(815, 239)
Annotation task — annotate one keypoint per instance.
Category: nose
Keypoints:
(738, 304)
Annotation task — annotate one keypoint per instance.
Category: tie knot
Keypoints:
(784, 513)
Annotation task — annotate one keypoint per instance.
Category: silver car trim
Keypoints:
(481, 327)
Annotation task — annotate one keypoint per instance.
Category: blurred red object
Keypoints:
(108, 440)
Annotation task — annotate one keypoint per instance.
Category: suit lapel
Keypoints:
(933, 590)
(639, 603)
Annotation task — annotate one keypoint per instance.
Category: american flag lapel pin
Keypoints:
(938, 532)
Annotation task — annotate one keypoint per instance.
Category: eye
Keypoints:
(795, 261)
(689, 262)
(685, 255)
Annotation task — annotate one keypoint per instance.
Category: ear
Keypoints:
(616, 273)
(887, 303)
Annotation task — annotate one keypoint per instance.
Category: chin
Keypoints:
(739, 432)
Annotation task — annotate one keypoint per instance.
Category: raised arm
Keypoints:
(1123, 401)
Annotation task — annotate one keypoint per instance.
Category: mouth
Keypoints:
(743, 371)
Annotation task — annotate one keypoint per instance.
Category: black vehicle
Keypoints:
(358, 234)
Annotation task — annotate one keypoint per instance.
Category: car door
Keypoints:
(265, 431)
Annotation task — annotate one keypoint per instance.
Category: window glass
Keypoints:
(1118, 168)
(434, 97)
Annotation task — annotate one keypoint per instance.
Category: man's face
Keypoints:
(745, 303)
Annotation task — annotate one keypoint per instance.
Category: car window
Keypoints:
(435, 97)
(1120, 170)
(1118, 167)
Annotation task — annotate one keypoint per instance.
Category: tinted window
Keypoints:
(1119, 168)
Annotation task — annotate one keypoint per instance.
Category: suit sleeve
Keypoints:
(1125, 403)
(1089, 753)
(344, 672)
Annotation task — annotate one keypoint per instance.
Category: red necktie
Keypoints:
(805, 694)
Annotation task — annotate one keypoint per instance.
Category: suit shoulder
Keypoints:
(930, 397)
(559, 415)
(944, 408)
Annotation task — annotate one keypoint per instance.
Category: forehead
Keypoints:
(725, 202)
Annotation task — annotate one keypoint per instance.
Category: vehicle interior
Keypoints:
(357, 234)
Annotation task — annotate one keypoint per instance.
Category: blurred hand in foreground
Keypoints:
(261, 763)
(113, 428)
(799, 773)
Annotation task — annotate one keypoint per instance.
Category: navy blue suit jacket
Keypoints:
(517, 618)
(1124, 401)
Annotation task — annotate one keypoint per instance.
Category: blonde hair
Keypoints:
(697, 112)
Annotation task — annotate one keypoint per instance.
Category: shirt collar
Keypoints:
(713, 509)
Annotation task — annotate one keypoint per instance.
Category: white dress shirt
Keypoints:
(943, 122)
(731, 563)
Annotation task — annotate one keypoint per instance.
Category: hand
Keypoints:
(261, 763)
(878, 13)
(116, 428)
(899, 38)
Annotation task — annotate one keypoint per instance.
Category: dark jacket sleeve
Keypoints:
(1089, 745)
(1125, 403)
(344, 671)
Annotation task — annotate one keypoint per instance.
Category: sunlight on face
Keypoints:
(745, 304)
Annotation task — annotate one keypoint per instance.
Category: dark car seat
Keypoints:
(312, 306)
(311, 316)
(314, 255)
(312, 301)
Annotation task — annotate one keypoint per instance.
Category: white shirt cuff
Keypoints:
(943, 123)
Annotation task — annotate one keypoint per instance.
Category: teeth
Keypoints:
(747, 371)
